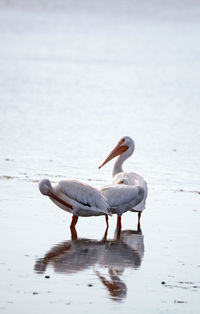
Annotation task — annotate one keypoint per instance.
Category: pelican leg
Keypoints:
(119, 224)
(119, 227)
(73, 222)
(139, 216)
(107, 225)
(74, 234)
(106, 231)
(105, 235)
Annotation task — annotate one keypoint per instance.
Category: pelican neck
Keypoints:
(118, 165)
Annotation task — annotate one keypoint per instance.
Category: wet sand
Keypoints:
(74, 79)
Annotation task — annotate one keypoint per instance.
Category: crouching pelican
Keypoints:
(124, 149)
(77, 198)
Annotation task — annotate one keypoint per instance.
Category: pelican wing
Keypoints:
(83, 194)
(121, 195)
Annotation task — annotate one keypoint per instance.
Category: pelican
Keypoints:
(124, 149)
(121, 198)
(77, 198)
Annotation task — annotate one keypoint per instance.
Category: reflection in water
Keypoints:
(115, 255)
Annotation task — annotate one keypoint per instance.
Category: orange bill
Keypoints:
(55, 197)
(118, 150)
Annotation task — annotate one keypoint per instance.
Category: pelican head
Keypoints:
(128, 141)
(125, 146)
(122, 181)
(45, 186)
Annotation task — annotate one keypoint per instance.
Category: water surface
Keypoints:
(74, 79)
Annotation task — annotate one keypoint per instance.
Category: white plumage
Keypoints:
(77, 198)
(124, 149)
(133, 179)
(121, 197)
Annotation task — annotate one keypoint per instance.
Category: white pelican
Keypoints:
(124, 149)
(121, 198)
(77, 198)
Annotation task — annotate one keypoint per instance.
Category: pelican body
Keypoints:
(121, 197)
(77, 198)
(124, 149)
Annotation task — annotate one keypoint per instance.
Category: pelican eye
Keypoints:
(122, 141)
(121, 182)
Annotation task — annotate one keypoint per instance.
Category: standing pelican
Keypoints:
(124, 149)
(77, 198)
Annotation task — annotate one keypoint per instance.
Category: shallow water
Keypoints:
(75, 78)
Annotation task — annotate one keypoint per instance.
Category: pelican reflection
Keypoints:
(107, 258)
